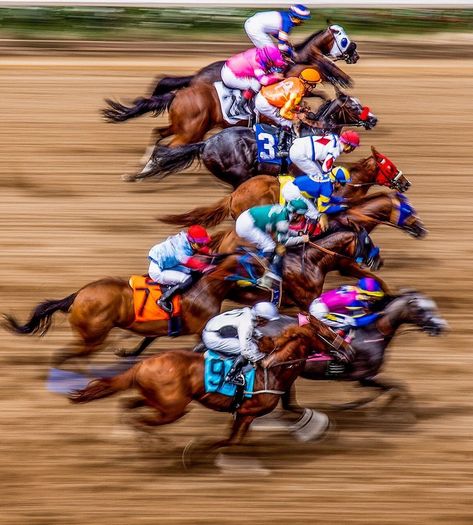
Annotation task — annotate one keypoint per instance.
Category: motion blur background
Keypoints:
(66, 219)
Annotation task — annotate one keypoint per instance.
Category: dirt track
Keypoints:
(66, 219)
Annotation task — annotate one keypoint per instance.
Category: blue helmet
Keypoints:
(340, 174)
(299, 11)
(371, 287)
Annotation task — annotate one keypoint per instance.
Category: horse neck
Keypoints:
(393, 317)
(339, 243)
(320, 42)
(377, 207)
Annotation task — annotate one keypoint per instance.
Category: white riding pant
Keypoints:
(301, 154)
(233, 82)
(290, 192)
(255, 34)
(230, 345)
(246, 229)
(319, 310)
(272, 112)
(168, 277)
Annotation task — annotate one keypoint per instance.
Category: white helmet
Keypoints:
(266, 310)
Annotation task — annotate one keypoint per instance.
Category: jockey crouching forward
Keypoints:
(348, 307)
(249, 70)
(172, 261)
(278, 24)
(233, 333)
(315, 157)
(267, 227)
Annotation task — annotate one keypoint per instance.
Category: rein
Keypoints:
(329, 252)
(396, 206)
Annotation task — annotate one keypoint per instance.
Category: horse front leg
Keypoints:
(289, 401)
(122, 352)
(239, 429)
(395, 389)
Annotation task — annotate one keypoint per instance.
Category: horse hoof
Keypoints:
(312, 426)
(240, 465)
(121, 352)
(128, 178)
(269, 423)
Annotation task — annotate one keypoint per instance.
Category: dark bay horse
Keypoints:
(231, 154)
(370, 344)
(168, 382)
(200, 86)
(100, 306)
(265, 189)
(322, 42)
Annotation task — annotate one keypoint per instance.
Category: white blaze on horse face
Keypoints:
(427, 304)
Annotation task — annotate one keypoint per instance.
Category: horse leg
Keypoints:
(240, 427)
(289, 401)
(394, 388)
(121, 352)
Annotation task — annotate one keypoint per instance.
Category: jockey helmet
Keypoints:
(270, 56)
(341, 175)
(310, 75)
(198, 234)
(371, 287)
(297, 206)
(299, 11)
(265, 310)
(351, 138)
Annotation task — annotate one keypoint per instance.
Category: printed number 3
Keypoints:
(267, 141)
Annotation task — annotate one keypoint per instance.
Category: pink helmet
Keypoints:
(270, 56)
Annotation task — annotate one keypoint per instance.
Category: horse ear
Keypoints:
(374, 151)
(338, 91)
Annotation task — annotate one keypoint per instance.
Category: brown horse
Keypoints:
(265, 189)
(108, 303)
(195, 109)
(323, 42)
(168, 382)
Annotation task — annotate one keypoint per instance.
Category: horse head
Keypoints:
(388, 174)
(344, 110)
(404, 216)
(418, 309)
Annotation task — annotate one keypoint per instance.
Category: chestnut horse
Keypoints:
(265, 189)
(231, 155)
(108, 303)
(323, 42)
(168, 382)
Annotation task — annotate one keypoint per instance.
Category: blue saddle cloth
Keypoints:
(216, 369)
(267, 143)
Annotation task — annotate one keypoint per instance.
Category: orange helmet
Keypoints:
(310, 75)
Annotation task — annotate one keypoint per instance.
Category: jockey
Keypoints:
(268, 226)
(233, 333)
(280, 101)
(319, 195)
(253, 68)
(314, 156)
(348, 307)
(264, 25)
(172, 261)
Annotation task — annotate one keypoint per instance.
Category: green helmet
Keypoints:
(297, 206)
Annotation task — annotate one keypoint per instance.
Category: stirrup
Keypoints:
(165, 305)
(238, 380)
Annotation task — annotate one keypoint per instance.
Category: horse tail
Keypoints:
(168, 84)
(117, 112)
(166, 161)
(207, 216)
(99, 388)
(41, 318)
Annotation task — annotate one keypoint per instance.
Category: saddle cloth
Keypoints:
(267, 143)
(216, 369)
(145, 294)
(229, 101)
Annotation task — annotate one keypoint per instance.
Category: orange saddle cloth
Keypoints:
(145, 294)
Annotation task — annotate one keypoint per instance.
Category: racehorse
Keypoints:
(304, 269)
(169, 381)
(370, 344)
(323, 42)
(309, 53)
(108, 303)
(231, 154)
(265, 189)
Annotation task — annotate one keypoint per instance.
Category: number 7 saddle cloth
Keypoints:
(145, 295)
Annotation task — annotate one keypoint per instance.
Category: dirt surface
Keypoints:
(67, 219)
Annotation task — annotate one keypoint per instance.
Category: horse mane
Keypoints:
(291, 333)
(368, 198)
(299, 47)
(217, 238)
(359, 164)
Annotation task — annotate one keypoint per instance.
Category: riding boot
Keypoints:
(234, 376)
(165, 301)
(283, 143)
